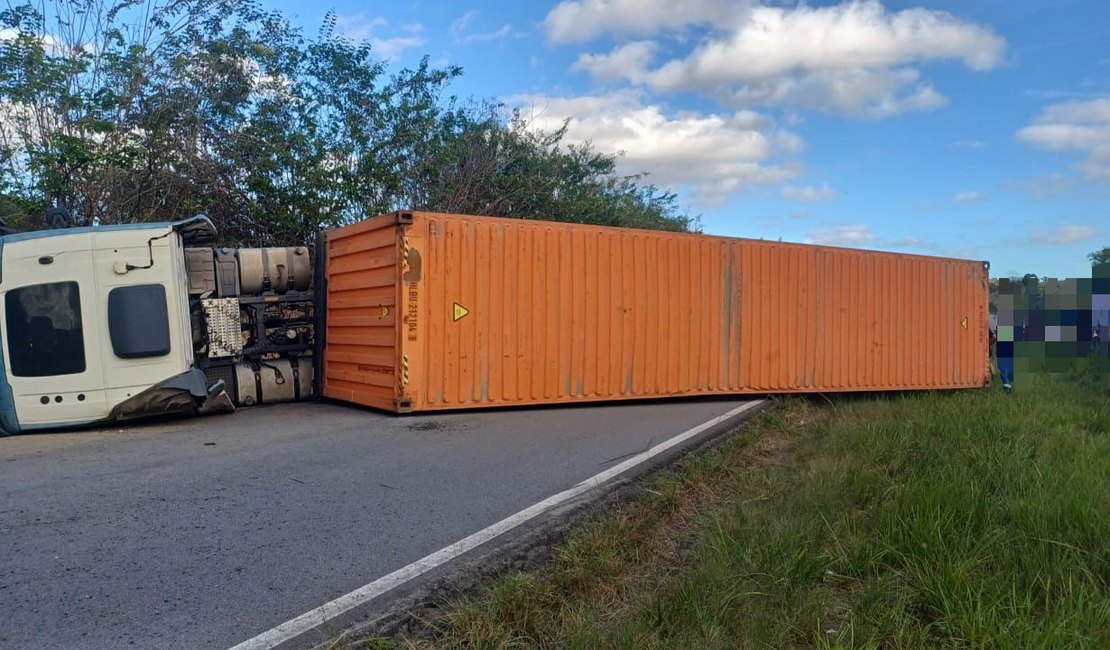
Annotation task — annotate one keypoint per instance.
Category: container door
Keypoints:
(363, 266)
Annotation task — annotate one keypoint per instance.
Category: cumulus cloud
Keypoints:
(860, 35)
(360, 28)
(1080, 126)
(855, 58)
(860, 93)
(853, 235)
(627, 61)
(713, 155)
(808, 193)
(968, 196)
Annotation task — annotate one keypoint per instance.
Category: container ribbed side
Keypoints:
(531, 312)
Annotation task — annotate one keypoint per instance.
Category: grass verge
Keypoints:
(911, 521)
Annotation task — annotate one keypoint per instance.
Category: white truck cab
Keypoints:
(95, 325)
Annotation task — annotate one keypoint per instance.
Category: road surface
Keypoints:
(203, 533)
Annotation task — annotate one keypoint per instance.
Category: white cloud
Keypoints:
(855, 235)
(855, 58)
(1064, 235)
(498, 34)
(968, 196)
(856, 35)
(967, 144)
(808, 193)
(461, 30)
(359, 28)
(628, 60)
(17, 121)
(1061, 137)
(861, 92)
(713, 155)
(52, 43)
(391, 48)
(1097, 111)
(1082, 126)
(462, 23)
(582, 20)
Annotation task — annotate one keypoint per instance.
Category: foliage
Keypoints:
(921, 520)
(1100, 256)
(502, 167)
(134, 110)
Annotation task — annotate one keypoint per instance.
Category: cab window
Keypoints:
(138, 321)
(44, 330)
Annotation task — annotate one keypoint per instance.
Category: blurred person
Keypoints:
(1004, 355)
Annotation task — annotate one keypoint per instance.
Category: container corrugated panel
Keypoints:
(500, 312)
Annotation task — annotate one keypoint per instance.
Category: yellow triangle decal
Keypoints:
(459, 311)
(963, 323)
(385, 311)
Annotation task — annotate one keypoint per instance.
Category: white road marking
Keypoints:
(324, 613)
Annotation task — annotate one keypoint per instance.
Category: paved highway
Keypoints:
(203, 533)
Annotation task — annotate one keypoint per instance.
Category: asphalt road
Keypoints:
(203, 533)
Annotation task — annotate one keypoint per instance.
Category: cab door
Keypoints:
(51, 332)
(146, 336)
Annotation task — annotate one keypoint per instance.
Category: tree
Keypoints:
(499, 165)
(1100, 256)
(136, 110)
(211, 106)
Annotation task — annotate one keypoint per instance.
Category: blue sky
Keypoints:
(977, 130)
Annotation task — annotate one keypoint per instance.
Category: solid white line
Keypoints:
(322, 614)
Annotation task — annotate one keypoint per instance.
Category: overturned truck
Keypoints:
(116, 322)
(419, 311)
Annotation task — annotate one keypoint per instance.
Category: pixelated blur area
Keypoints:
(1046, 325)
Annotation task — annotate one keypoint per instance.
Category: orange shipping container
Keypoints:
(432, 311)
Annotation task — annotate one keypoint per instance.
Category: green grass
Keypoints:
(964, 519)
